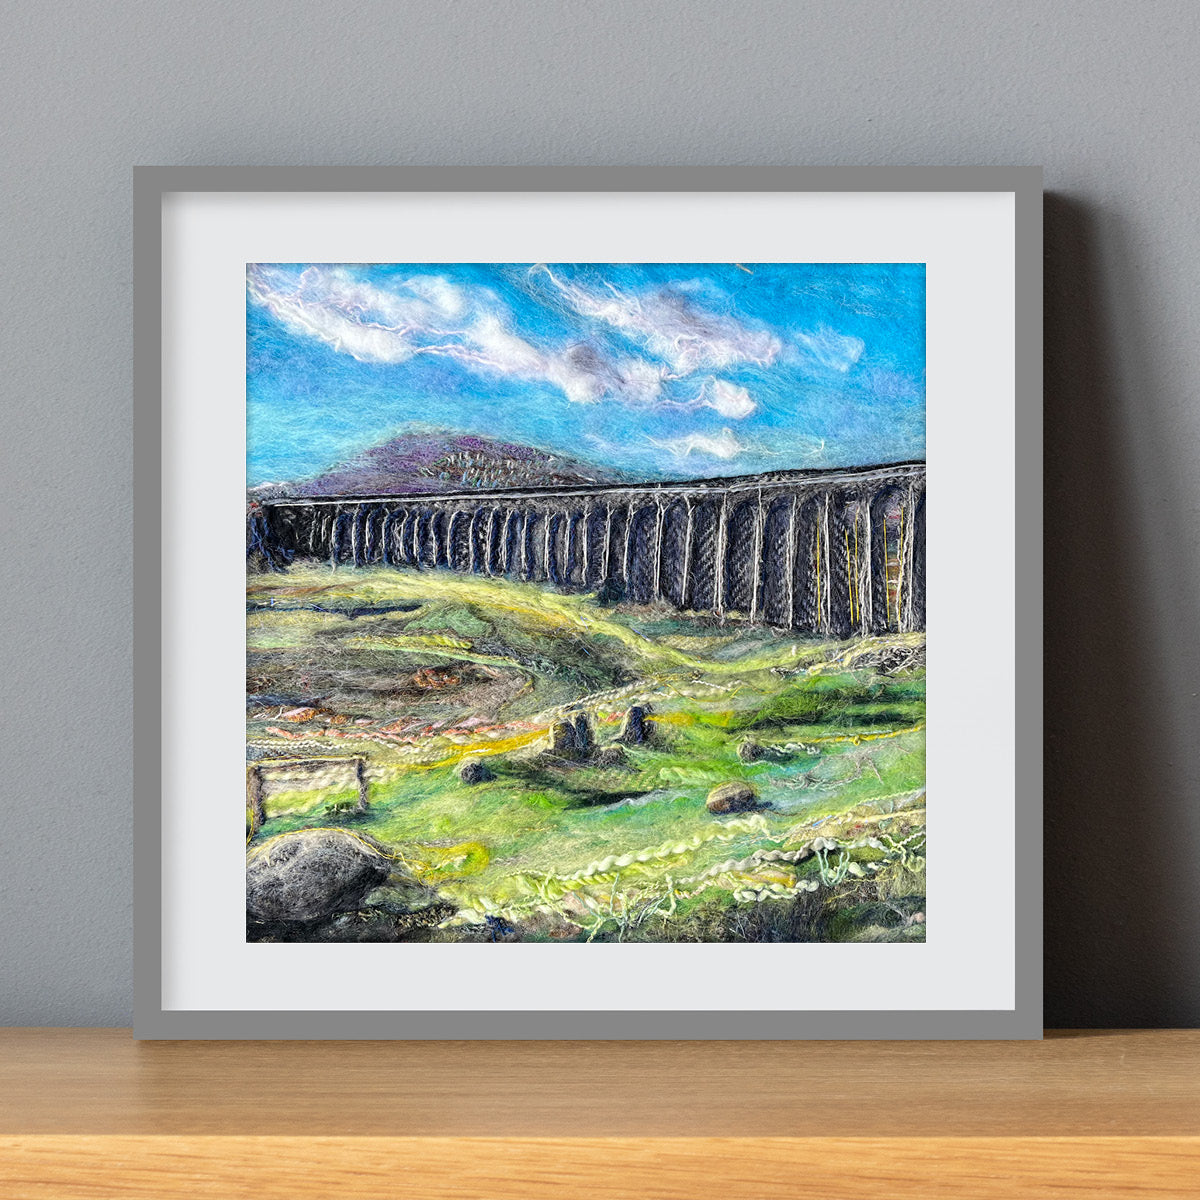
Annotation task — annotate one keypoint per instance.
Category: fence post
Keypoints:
(254, 797)
(360, 774)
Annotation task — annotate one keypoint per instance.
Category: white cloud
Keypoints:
(723, 445)
(489, 343)
(830, 349)
(431, 315)
(670, 325)
(357, 318)
(731, 400)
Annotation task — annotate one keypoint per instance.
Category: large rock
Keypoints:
(611, 755)
(311, 874)
(634, 729)
(563, 740)
(583, 733)
(474, 770)
(750, 751)
(732, 797)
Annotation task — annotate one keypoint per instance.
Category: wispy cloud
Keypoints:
(429, 315)
(356, 318)
(723, 445)
(729, 399)
(829, 349)
(669, 324)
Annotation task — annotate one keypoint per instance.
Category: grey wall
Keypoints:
(1102, 94)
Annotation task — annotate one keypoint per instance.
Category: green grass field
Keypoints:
(418, 670)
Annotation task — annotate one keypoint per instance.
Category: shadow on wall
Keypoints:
(1118, 893)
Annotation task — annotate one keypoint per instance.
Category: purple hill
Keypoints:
(432, 462)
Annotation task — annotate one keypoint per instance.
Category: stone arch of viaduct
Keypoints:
(833, 553)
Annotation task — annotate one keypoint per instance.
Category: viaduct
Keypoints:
(835, 553)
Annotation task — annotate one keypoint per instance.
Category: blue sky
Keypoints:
(663, 370)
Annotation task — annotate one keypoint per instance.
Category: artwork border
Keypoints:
(153, 183)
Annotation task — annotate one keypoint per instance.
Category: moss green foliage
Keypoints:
(416, 670)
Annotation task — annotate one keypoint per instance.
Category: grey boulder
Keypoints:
(312, 874)
(732, 797)
(611, 755)
(750, 751)
(562, 739)
(583, 733)
(474, 770)
(635, 730)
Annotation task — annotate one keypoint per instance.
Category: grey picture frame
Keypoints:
(1024, 1020)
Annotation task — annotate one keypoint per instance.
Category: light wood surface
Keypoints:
(91, 1113)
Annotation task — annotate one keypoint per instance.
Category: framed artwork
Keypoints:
(615, 594)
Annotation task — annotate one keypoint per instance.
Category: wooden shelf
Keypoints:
(91, 1113)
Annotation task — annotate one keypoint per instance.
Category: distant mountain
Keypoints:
(433, 462)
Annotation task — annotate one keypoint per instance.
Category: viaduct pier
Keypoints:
(836, 553)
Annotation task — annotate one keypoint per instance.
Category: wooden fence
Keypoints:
(319, 772)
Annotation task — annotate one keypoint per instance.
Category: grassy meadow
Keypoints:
(421, 670)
